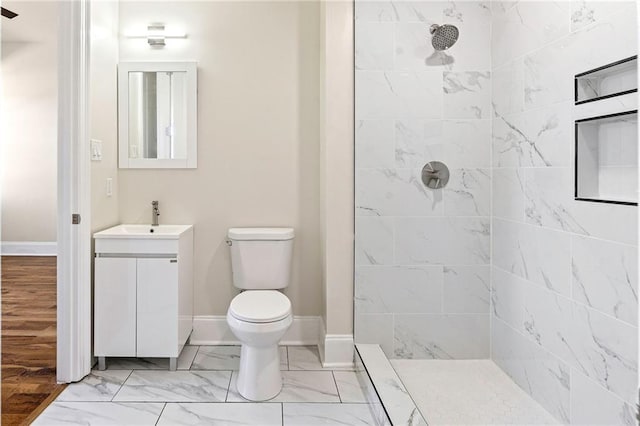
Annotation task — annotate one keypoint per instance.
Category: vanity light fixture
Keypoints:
(157, 35)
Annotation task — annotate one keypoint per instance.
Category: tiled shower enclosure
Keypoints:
(503, 263)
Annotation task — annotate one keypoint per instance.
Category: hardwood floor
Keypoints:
(28, 337)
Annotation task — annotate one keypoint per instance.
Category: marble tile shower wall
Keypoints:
(565, 273)
(423, 256)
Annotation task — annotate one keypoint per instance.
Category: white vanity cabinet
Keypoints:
(143, 297)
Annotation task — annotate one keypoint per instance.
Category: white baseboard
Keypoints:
(213, 330)
(336, 350)
(29, 248)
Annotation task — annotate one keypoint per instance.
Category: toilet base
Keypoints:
(259, 378)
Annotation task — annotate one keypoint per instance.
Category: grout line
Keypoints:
(282, 413)
(121, 386)
(335, 382)
(161, 412)
(226, 398)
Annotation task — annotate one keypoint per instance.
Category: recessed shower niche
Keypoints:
(615, 79)
(607, 158)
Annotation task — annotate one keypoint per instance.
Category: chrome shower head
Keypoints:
(444, 36)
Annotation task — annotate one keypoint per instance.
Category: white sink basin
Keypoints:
(143, 232)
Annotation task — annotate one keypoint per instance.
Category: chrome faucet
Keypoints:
(155, 213)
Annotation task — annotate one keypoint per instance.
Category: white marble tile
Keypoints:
(466, 289)
(535, 138)
(297, 386)
(395, 192)
(467, 143)
(508, 298)
(592, 404)
(374, 43)
(527, 26)
(393, 394)
(375, 11)
(467, 11)
(538, 372)
(380, 95)
(413, 48)
(175, 386)
(473, 392)
(587, 12)
(373, 241)
(550, 203)
(227, 358)
(99, 414)
(537, 254)
(605, 277)
(375, 328)
(467, 94)
(350, 386)
(472, 51)
(304, 358)
(549, 199)
(468, 193)
(398, 289)
(606, 41)
(328, 414)
(419, 241)
(418, 142)
(427, 12)
(600, 348)
(547, 320)
(217, 358)
(97, 386)
(508, 193)
(184, 361)
(441, 336)
(507, 93)
(222, 414)
(375, 144)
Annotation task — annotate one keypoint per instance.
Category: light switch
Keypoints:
(109, 187)
(96, 150)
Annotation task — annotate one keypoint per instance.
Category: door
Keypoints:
(157, 302)
(115, 306)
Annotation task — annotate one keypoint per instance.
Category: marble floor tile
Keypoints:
(304, 358)
(227, 358)
(221, 414)
(308, 358)
(350, 388)
(175, 386)
(99, 414)
(97, 386)
(298, 386)
(184, 361)
(328, 414)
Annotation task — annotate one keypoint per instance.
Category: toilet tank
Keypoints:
(261, 257)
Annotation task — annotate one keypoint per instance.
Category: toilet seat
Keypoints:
(260, 306)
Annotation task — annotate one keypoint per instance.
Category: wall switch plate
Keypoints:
(109, 187)
(96, 150)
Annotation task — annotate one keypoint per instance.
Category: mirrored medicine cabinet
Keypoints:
(157, 115)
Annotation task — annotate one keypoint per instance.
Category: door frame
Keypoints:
(74, 357)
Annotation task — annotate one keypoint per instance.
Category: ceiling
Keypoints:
(37, 21)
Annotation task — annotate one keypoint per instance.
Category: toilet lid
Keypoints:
(260, 306)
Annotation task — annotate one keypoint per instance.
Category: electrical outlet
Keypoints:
(109, 187)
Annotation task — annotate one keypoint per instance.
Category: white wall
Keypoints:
(29, 123)
(422, 256)
(104, 112)
(258, 144)
(565, 272)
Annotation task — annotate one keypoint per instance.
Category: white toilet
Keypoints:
(260, 315)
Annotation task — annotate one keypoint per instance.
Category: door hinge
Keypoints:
(75, 219)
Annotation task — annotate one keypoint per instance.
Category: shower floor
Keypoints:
(469, 392)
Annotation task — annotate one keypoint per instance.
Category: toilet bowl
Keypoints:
(260, 315)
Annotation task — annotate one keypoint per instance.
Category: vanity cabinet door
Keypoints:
(157, 331)
(115, 307)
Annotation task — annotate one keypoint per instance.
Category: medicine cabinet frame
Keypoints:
(190, 162)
